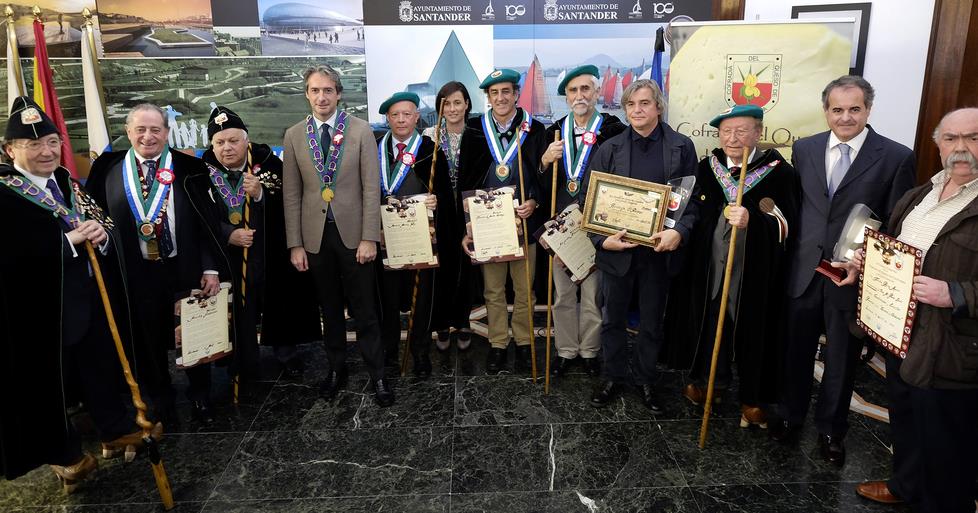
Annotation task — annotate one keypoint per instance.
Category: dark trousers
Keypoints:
(340, 278)
(935, 451)
(93, 364)
(808, 317)
(396, 288)
(648, 273)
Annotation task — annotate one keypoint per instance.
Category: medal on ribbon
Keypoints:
(327, 165)
(392, 179)
(729, 185)
(233, 198)
(44, 199)
(147, 212)
(576, 155)
(503, 157)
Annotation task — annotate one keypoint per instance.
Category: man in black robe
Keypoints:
(405, 165)
(169, 228)
(55, 329)
(273, 295)
(764, 222)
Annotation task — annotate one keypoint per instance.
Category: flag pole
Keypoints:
(14, 53)
(724, 297)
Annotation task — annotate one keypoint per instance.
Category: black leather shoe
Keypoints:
(783, 431)
(561, 366)
(422, 366)
(649, 400)
(606, 393)
(201, 411)
(383, 393)
(293, 368)
(524, 359)
(832, 449)
(496, 361)
(331, 386)
(592, 366)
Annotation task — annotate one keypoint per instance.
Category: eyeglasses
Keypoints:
(740, 132)
(37, 145)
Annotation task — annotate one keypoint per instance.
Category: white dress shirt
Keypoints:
(923, 223)
(171, 209)
(833, 153)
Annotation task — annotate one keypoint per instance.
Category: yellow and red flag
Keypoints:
(46, 96)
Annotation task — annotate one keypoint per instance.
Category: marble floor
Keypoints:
(462, 441)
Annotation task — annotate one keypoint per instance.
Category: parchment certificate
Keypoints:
(407, 236)
(617, 202)
(886, 307)
(490, 219)
(563, 237)
(203, 328)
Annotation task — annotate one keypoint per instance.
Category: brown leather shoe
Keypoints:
(697, 395)
(130, 444)
(877, 491)
(72, 475)
(752, 415)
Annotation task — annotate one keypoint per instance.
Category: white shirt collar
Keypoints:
(502, 127)
(37, 180)
(753, 154)
(141, 159)
(855, 144)
(940, 179)
(331, 121)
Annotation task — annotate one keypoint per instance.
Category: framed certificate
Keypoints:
(617, 202)
(563, 237)
(886, 307)
(491, 223)
(202, 335)
(407, 238)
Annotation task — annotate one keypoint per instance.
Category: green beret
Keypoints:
(399, 97)
(587, 69)
(500, 75)
(28, 121)
(750, 111)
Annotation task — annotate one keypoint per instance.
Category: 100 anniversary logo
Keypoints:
(753, 79)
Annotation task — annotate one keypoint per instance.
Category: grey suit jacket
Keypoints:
(356, 202)
(882, 172)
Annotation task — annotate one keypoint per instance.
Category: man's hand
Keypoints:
(614, 242)
(666, 240)
(467, 246)
(932, 292)
(738, 217)
(88, 230)
(526, 209)
(366, 251)
(852, 273)
(251, 185)
(243, 238)
(553, 152)
(431, 202)
(209, 285)
(299, 259)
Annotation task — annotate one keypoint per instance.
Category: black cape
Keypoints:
(43, 289)
(762, 289)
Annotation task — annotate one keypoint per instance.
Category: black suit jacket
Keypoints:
(879, 176)
(614, 156)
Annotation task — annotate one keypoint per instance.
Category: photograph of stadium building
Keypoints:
(333, 27)
(178, 28)
(62, 21)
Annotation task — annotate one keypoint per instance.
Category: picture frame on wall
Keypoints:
(859, 11)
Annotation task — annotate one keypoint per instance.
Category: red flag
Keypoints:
(47, 97)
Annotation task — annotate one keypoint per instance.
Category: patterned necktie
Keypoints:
(400, 151)
(162, 229)
(56, 191)
(839, 169)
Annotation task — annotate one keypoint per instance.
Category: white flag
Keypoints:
(98, 132)
(15, 77)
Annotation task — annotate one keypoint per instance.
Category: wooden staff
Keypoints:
(550, 272)
(244, 271)
(526, 256)
(417, 274)
(728, 270)
(153, 449)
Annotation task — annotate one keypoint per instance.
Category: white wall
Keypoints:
(896, 57)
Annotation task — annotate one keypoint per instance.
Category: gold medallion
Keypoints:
(235, 218)
(502, 170)
(147, 229)
(572, 186)
(327, 194)
(152, 250)
(726, 211)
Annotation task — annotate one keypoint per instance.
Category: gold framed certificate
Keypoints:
(886, 307)
(617, 202)
(491, 223)
(407, 237)
(563, 237)
(202, 335)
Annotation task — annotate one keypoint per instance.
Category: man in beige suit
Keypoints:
(331, 190)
